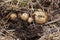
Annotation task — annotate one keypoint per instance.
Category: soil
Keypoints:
(22, 30)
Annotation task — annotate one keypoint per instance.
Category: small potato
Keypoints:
(30, 20)
(13, 16)
(40, 17)
(24, 16)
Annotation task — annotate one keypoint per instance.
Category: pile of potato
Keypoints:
(38, 17)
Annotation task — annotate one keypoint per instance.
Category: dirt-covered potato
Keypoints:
(13, 16)
(30, 19)
(40, 17)
(24, 16)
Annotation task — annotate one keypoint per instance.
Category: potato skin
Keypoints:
(24, 16)
(40, 17)
(30, 20)
(13, 16)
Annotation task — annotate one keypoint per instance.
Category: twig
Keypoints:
(2, 3)
(9, 34)
(7, 31)
(53, 21)
(40, 4)
(3, 34)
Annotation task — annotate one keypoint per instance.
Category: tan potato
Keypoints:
(13, 16)
(40, 17)
(30, 20)
(24, 16)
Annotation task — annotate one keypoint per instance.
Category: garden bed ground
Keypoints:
(22, 30)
